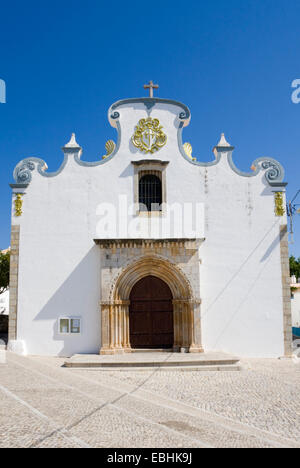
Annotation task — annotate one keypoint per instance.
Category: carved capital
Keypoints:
(117, 302)
(187, 301)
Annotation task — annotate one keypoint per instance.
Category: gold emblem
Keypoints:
(18, 204)
(110, 148)
(148, 135)
(188, 149)
(279, 208)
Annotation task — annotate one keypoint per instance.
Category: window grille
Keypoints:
(150, 193)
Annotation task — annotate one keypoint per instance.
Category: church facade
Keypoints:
(148, 247)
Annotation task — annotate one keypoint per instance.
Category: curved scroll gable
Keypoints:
(77, 156)
(194, 160)
(274, 172)
(149, 103)
(24, 169)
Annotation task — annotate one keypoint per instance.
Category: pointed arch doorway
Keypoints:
(151, 322)
(115, 311)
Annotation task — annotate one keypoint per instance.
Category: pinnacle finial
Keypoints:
(72, 143)
(223, 142)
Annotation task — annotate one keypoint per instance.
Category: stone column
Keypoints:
(126, 332)
(182, 326)
(196, 343)
(106, 328)
(186, 327)
(177, 325)
(115, 327)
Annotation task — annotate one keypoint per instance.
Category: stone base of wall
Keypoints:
(13, 282)
(286, 291)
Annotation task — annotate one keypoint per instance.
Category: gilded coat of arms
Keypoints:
(148, 135)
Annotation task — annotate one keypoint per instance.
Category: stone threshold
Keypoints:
(156, 360)
(224, 368)
(150, 350)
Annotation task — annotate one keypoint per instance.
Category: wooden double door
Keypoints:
(151, 314)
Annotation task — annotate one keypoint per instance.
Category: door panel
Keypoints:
(151, 314)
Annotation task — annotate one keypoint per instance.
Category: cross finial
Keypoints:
(151, 86)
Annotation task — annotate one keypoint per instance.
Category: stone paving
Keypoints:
(45, 405)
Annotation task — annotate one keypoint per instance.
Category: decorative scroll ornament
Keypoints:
(274, 171)
(148, 135)
(18, 204)
(23, 172)
(279, 207)
(110, 148)
(189, 150)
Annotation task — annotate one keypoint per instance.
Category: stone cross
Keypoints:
(151, 86)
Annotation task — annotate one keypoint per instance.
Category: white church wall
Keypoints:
(58, 252)
(240, 271)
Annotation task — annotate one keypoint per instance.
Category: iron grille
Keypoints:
(150, 193)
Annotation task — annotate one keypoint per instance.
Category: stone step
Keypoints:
(148, 350)
(215, 368)
(149, 362)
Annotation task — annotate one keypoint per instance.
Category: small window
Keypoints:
(64, 326)
(75, 325)
(70, 326)
(150, 193)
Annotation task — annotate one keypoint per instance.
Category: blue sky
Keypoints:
(231, 61)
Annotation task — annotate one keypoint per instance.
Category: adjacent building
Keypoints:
(295, 291)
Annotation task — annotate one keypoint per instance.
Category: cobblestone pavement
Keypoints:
(45, 405)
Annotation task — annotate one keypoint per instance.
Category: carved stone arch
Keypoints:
(115, 312)
(156, 266)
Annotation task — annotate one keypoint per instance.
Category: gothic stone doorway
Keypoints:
(151, 314)
(116, 332)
